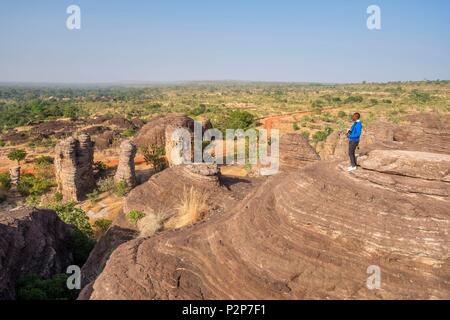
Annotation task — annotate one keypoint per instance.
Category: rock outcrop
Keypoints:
(14, 174)
(424, 165)
(178, 145)
(74, 167)
(335, 147)
(161, 194)
(310, 234)
(295, 151)
(32, 242)
(126, 168)
(154, 132)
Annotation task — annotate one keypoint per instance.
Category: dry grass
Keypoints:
(151, 223)
(193, 208)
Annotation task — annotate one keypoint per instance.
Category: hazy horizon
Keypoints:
(174, 41)
(188, 82)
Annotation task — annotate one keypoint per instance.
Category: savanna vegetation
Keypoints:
(222, 102)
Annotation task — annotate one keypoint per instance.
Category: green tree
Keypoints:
(17, 155)
(238, 119)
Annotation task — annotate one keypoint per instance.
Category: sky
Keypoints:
(249, 40)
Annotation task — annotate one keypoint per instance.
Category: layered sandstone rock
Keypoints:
(126, 168)
(14, 174)
(32, 242)
(334, 147)
(74, 167)
(425, 165)
(311, 234)
(161, 194)
(295, 151)
(154, 132)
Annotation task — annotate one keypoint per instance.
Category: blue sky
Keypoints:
(258, 40)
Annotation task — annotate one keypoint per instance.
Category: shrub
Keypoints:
(70, 112)
(58, 198)
(33, 200)
(82, 237)
(2, 143)
(32, 185)
(327, 117)
(354, 99)
(121, 189)
(317, 105)
(5, 181)
(198, 110)
(44, 161)
(342, 114)
(74, 216)
(93, 196)
(82, 246)
(305, 120)
(305, 134)
(295, 126)
(387, 101)
(319, 136)
(45, 143)
(155, 156)
(420, 97)
(102, 224)
(328, 130)
(100, 166)
(128, 133)
(34, 288)
(105, 184)
(134, 216)
(322, 135)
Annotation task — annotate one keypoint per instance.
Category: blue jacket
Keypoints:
(355, 131)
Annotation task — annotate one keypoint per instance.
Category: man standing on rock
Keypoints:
(354, 135)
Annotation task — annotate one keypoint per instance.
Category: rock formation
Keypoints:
(14, 174)
(335, 146)
(32, 242)
(178, 145)
(310, 233)
(160, 194)
(424, 165)
(295, 151)
(74, 167)
(154, 132)
(126, 170)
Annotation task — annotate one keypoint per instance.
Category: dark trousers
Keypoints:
(351, 151)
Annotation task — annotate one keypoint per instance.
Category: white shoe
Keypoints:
(351, 169)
